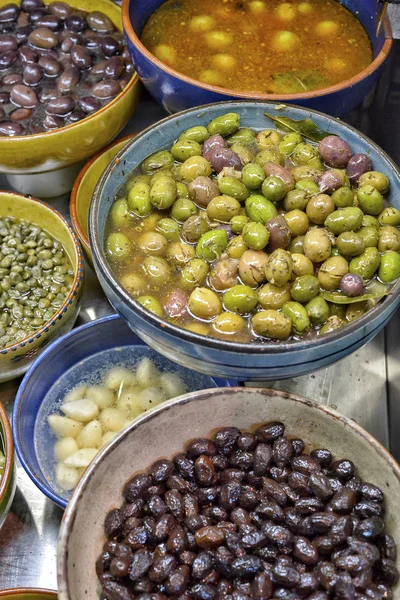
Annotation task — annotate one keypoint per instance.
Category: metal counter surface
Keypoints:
(364, 386)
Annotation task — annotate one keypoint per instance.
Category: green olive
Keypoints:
(289, 143)
(182, 209)
(153, 243)
(224, 274)
(170, 229)
(390, 216)
(120, 213)
(184, 149)
(297, 245)
(135, 284)
(271, 324)
(240, 299)
(344, 219)
(305, 155)
(159, 160)
(236, 247)
(366, 264)
(319, 208)
(204, 303)
(253, 175)
(212, 244)
(259, 209)
(273, 296)
(389, 269)
(369, 236)
(118, 246)
(302, 265)
(298, 316)
(182, 190)
(297, 222)
(163, 192)
(268, 138)
(228, 323)
(139, 199)
(244, 135)
(255, 235)
(318, 310)
(378, 180)
(224, 125)
(237, 223)
(195, 166)
(343, 197)
(332, 323)
(194, 227)
(331, 272)
(197, 134)
(223, 208)
(270, 155)
(317, 245)
(252, 267)
(138, 179)
(295, 200)
(356, 310)
(337, 310)
(194, 273)
(350, 243)
(306, 172)
(370, 200)
(305, 288)
(156, 269)
(233, 187)
(274, 189)
(164, 173)
(152, 304)
(370, 221)
(244, 152)
(179, 253)
(389, 238)
(279, 267)
(310, 187)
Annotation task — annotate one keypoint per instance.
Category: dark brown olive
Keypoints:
(279, 234)
(12, 79)
(98, 21)
(50, 21)
(262, 459)
(200, 446)
(270, 431)
(43, 37)
(114, 67)
(341, 530)
(75, 23)
(161, 470)
(21, 95)
(137, 487)
(20, 114)
(33, 74)
(60, 106)
(4, 98)
(110, 46)
(113, 590)
(106, 89)
(306, 464)
(9, 12)
(204, 469)
(226, 437)
(371, 492)
(60, 9)
(7, 43)
(31, 5)
(323, 456)
(7, 59)
(81, 57)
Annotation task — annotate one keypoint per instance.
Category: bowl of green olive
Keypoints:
(41, 273)
(250, 239)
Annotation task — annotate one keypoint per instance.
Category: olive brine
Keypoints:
(248, 516)
(36, 276)
(246, 235)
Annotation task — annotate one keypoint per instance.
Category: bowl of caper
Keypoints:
(250, 240)
(41, 274)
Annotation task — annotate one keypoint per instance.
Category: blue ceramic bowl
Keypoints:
(80, 356)
(220, 358)
(177, 92)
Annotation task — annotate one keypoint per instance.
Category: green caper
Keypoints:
(350, 243)
(319, 208)
(240, 299)
(388, 238)
(270, 155)
(289, 143)
(343, 197)
(212, 244)
(197, 134)
(224, 125)
(159, 160)
(390, 216)
(274, 189)
(118, 247)
(179, 253)
(204, 303)
(295, 200)
(279, 267)
(370, 200)
(243, 151)
(194, 227)
(268, 138)
(298, 316)
(237, 223)
(223, 208)
(271, 324)
(253, 175)
(366, 264)
(331, 272)
(182, 209)
(244, 135)
(317, 245)
(184, 149)
(236, 247)
(369, 235)
(255, 235)
(304, 288)
(297, 221)
(156, 269)
(152, 304)
(378, 180)
(318, 310)
(194, 273)
(233, 187)
(170, 229)
(305, 155)
(259, 209)
(389, 269)
(273, 296)
(195, 166)
(344, 219)
(163, 192)
(119, 214)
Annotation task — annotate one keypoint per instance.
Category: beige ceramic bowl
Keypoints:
(163, 432)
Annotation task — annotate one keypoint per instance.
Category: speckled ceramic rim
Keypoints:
(202, 396)
(75, 286)
(73, 208)
(28, 592)
(250, 348)
(376, 63)
(9, 450)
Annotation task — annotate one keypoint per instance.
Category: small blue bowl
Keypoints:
(79, 357)
(252, 361)
(176, 92)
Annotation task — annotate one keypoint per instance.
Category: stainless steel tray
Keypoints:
(364, 386)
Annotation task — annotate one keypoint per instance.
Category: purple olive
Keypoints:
(331, 180)
(215, 141)
(202, 190)
(275, 170)
(335, 151)
(226, 228)
(352, 285)
(279, 234)
(223, 157)
(175, 304)
(357, 166)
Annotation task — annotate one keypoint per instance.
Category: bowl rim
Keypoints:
(369, 70)
(103, 267)
(76, 285)
(9, 451)
(28, 592)
(73, 203)
(198, 396)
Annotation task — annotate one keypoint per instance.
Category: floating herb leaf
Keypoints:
(306, 127)
(338, 298)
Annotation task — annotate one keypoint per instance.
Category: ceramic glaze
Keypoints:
(8, 481)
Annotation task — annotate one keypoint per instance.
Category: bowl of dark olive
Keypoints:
(65, 74)
(321, 54)
(250, 240)
(243, 493)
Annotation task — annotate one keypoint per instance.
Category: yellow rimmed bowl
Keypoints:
(8, 479)
(57, 153)
(84, 186)
(28, 594)
(16, 358)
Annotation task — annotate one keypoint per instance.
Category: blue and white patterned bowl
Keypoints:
(82, 356)
(257, 362)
